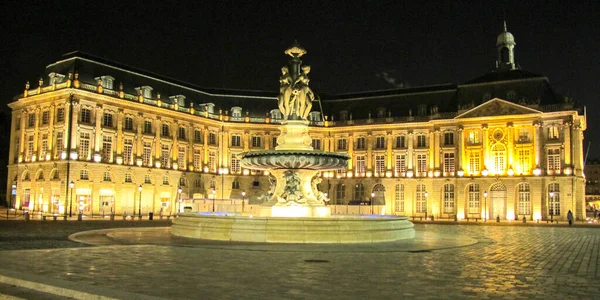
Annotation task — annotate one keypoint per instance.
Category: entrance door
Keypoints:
(498, 200)
(379, 191)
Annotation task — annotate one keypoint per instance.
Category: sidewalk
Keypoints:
(13, 214)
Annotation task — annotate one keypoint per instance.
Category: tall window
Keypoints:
(421, 163)
(212, 161)
(421, 141)
(235, 164)
(45, 117)
(360, 165)
(499, 158)
(147, 179)
(256, 141)
(107, 119)
(474, 203)
(524, 161)
(340, 193)
(342, 144)
(165, 180)
(448, 138)
(197, 160)
(523, 134)
(474, 162)
(165, 130)
(400, 164)
(148, 127)
(449, 198)
(128, 151)
(60, 146)
(380, 165)
(316, 144)
(181, 158)
(421, 199)
(31, 120)
(474, 137)
(235, 185)
(60, 114)
(554, 199)
(128, 178)
(236, 141)
(164, 155)
(106, 148)
(147, 154)
(84, 175)
(361, 143)
(212, 138)
(524, 199)
(553, 133)
(107, 176)
(399, 198)
(554, 160)
(359, 191)
(44, 149)
(380, 142)
(84, 145)
(181, 133)
(401, 141)
(128, 123)
(449, 163)
(85, 115)
(274, 142)
(29, 153)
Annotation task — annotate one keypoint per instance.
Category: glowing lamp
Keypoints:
(510, 172)
(485, 172)
(537, 171)
(47, 156)
(74, 155)
(205, 169)
(369, 174)
(568, 171)
(158, 164)
(33, 158)
(191, 168)
(388, 174)
(349, 174)
(409, 174)
(266, 173)
(436, 173)
(97, 157)
(246, 172)
(63, 155)
(119, 160)
(175, 166)
(139, 162)
(460, 173)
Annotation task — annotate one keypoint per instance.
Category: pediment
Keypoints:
(497, 107)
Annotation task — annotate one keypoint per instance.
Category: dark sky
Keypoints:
(240, 44)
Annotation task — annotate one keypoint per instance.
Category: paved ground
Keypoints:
(508, 262)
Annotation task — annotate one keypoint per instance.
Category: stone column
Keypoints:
(51, 131)
(175, 145)
(369, 152)
(350, 152)
(437, 149)
(510, 145)
(485, 152)
(432, 147)
(119, 142)
(537, 144)
(388, 154)
(567, 142)
(410, 154)
(139, 149)
(206, 132)
(157, 141)
(98, 129)
(74, 137)
(460, 154)
(36, 134)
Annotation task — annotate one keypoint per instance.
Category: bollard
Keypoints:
(43, 218)
(112, 217)
(150, 216)
(54, 217)
(524, 220)
(26, 215)
(455, 218)
(80, 217)
(65, 217)
(498, 219)
(432, 218)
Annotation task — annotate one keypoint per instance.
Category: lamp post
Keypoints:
(140, 203)
(243, 203)
(372, 199)
(71, 185)
(426, 194)
(214, 192)
(13, 194)
(179, 199)
(485, 213)
(552, 207)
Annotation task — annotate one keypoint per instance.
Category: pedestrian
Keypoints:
(570, 217)
(595, 213)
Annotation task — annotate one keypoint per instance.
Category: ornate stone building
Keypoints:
(101, 137)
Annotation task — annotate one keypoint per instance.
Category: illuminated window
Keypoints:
(29, 153)
(181, 158)
(128, 151)
(524, 199)
(165, 180)
(448, 163)
(106, 148)
(360, 164)
(380, 142)
(85, 115)
(212, 161)
(84, 145)
(554, 160)
(128, 178)
(164, 155)
(342, 145)
(524, 161)
(474, 162)
(474, 203)
(361, 143)
(256, 142)
(236, 141)
(316, 144)
(554, 199)
(147, 179)
(380, 165)
(44, 147)
(421, 141)
(235, 164)
(401, 141)
(448, 138)
(60, 146)
(400, 164)
(473, 137)
(553, 133)
(499, 158)
(197, 160)
(399, 198)
(421, 199)
(84, 175)
(449, 198)
(106, 176)
(421, 163)
(147, 154)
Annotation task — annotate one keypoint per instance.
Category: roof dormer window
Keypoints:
(210, 107)
(343, 115)
(381, 112)
(275, 114)
(146, 91)
(107, 81)
(314, 116)
(178, 99)
(56, 78)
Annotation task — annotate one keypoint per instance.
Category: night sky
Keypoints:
(351, 47)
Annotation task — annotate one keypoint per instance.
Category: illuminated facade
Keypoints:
(101, 137)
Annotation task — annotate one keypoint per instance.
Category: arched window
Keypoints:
(554, 199)
(340, 193)
(40, 175)
(499, 158)
(399, 198)
(524, 199)
(421, 198)
(25, 176)
(359, 192)
(449, 198)
(55, 175)
(182, 181)
(235, 185)
(197, 183)
(474, 202)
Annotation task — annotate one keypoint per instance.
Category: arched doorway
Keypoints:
(379, 191)
(498, 200)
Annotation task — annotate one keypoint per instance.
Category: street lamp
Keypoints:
(552, 207)
(214, 192)
(243, 203)
(372, 198)
(179, 199)
(140, 203)
(485, 194)
(71, 185)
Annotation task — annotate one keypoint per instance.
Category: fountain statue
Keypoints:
(296, 210)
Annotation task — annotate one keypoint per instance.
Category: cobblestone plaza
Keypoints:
(507, 262)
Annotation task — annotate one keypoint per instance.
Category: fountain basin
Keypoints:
(294, 159)
(334, 229)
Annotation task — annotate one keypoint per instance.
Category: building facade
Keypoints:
(99, 137)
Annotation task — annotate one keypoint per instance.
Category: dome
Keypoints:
(505, 38)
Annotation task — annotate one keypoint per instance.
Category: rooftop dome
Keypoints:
(505, 38)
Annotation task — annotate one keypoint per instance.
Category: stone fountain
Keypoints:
(296, 211)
